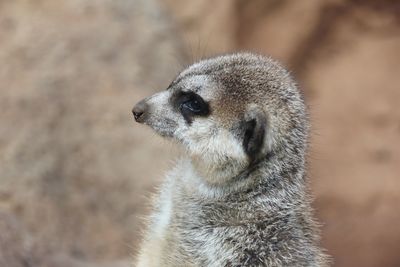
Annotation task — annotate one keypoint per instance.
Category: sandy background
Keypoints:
(76, 172)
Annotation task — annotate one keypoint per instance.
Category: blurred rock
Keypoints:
(72, 160)
(208, 27)
(17, 248)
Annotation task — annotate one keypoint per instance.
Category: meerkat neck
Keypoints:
(270, 174)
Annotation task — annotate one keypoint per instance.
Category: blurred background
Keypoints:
(76, 173)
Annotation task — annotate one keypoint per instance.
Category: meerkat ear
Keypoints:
(254, 132)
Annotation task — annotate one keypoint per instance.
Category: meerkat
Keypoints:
(238, 196)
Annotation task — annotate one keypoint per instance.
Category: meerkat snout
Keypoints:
(139, 110)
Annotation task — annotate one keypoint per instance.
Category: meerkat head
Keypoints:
(228, 112)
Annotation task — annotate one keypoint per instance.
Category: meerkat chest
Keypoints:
(162, 216)
(169, 205)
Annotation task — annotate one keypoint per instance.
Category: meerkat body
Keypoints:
(239, 196)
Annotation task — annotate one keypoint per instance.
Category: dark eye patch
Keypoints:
(190, 105)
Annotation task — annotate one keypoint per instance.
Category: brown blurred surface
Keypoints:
(76, 172)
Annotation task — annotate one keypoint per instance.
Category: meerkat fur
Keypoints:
(238, 196)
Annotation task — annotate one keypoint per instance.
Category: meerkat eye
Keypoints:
(191, 104)
(194, 104)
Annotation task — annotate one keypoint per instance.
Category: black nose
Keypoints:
(139, 110)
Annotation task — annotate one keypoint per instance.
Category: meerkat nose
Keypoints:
(138, 110)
